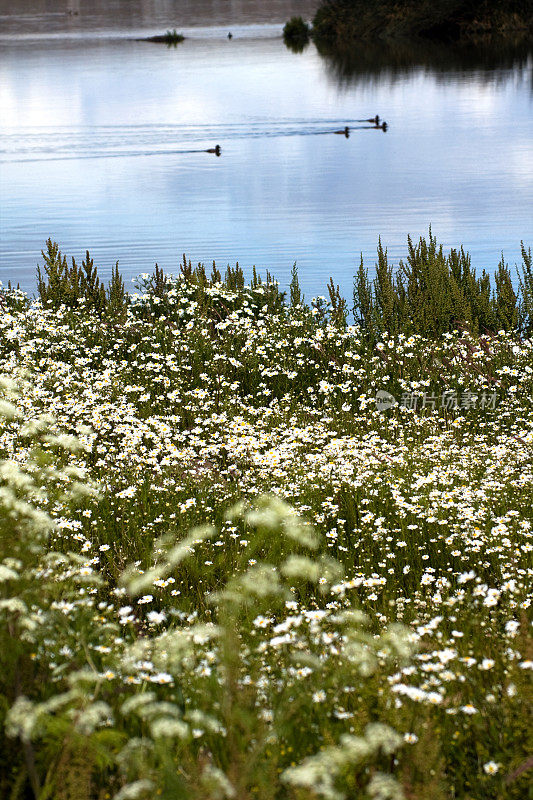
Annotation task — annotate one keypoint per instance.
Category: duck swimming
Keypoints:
(344, 132)
(216, 150)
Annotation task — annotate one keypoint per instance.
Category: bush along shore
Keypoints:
(338, 23)
(250, 550)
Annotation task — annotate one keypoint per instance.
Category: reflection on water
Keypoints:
(488, 62)
(104, 140)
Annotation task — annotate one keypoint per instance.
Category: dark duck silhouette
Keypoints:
(216, 150)
(345, 132)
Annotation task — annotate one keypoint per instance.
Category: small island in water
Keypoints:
(170, 37)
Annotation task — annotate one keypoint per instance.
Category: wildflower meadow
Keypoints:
(251, 550)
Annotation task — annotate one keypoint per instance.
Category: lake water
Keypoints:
(102, 139)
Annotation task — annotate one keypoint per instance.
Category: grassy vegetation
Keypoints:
(340, 21)
(433, 293)
(227, 571)
(79, 287)
(170, 37)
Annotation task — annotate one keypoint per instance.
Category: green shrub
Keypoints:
(296, 34)
(79, 288)
(433, 293)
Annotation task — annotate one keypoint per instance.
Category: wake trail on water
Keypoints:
(67, 143)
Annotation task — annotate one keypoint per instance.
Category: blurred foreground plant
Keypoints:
(207, 708)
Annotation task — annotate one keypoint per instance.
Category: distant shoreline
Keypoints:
(339, 22)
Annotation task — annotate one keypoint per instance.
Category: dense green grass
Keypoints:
(228, 570)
